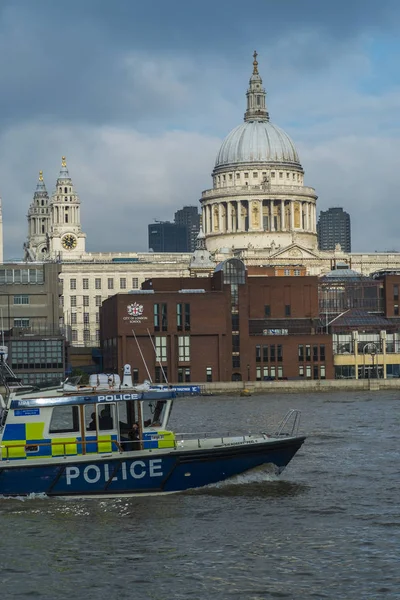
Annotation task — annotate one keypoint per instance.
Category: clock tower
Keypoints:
(65, 237)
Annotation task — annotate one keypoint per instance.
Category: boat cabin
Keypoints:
(81, 425)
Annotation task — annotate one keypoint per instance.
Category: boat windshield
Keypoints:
(153, 412)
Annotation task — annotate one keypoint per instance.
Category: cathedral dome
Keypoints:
(257, 142)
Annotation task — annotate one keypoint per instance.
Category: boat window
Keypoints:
(153, 413)
(64, 419)
(90, 417)
(126, 416)
(106, 416)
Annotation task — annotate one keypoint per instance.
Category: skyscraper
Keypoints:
(333, 228)
(189, 216)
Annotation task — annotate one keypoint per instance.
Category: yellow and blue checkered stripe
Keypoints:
(25, 440)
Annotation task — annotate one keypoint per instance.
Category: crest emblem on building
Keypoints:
(135, 309)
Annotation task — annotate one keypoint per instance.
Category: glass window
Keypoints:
(235, 361)
(322, 352)
(110, 283)
(301, 370)
(85, 300)
(98, 300)
(272, 354)
(258, 353)
(179, 317)
(315, 371)
(279, 352)
(156, 313)
(73, 301)
(161, 374)
(73, 319)
(187, 317)
(287, 310)
(122, 283)
(97, 283)
(322, 371)
(86, 317)
(106, 416)
(280, 372)
(265, 353)
(308, 371)
(235, 343)
(21, 322)
(396, 310)
(135, 283)
(209, 374)
(308, 352)
(258, 373)
(161, 348)
(273, 372)
(72, 284)
(395, 292)
(267, 310)
(85, 283)
(301, 352)
(64, 419)
(21, 299)
(135, 375)
(164, 317)
(74, 335)
(315, 352)
(184, 348)
(265, 373)
(86, 335)
(235, 322)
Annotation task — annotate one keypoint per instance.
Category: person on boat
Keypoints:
(106, 420)
(92, 424)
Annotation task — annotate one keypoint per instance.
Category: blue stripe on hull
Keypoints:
(150, 474)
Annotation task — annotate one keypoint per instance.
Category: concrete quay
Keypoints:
(298, 386)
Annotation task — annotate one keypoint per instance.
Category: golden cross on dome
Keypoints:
(63, 163)
(255, 63)
(40, 175)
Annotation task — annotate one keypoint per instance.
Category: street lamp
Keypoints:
(371, 348)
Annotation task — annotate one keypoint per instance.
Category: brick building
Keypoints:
(229, 327)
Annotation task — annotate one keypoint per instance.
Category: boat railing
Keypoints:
(32, 449)
(289, 426)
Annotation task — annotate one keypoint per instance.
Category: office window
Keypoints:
(72, 284)
(122, 283)
(315, 352)
(183, 375)
(97, 318)
(179, 321)
(97, 283)
(301, 352)
(156, 314)
(73, 301)
(161, 348)
(279, 352)
(272, 355)
(98, 300)
(235, 343)
(85, 283)
(297, 272)
(273, 372)
(21, 322)
(287, 310)
(85, 300)
(73, 319)
(396, 310)
(135, 375)
(395, 292)
(21, 299)
(74, 335)
(235, 322)
(86, 335)
(86, 317)
(110, 283)
(258, 353)
(187, 317)
(267, 310)
(183, 348)
(315, 371)
(308, 353)
(265, 353)
(322, 352)
(308, 371)
(164, 317)
(236, 361)
(286, 272)
(301, 370)
(135, 283)
(265, 373)
(322, 371)
(280, 372)
(209, 374)
(258, 373)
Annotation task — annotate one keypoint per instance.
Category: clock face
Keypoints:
(69, 241)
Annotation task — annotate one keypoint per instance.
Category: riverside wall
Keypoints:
(298, 387)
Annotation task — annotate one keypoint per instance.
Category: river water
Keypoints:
(329, 527)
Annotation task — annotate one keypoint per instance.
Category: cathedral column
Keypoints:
(221, 211)
(292, 215)
(271, 215)
(283, 223)
(229, 217)
(306, 220)
(209, 219)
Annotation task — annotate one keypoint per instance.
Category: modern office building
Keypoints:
(165, 236)
(333, 228)
(190, 217)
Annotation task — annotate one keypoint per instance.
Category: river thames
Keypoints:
(328, 528)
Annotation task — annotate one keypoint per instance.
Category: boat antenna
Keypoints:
(141, 354)
(155, 352)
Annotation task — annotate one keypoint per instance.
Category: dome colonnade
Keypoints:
(258, 185)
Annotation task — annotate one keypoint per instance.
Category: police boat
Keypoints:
(117, 442)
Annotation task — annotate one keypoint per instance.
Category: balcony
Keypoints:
(260, 191)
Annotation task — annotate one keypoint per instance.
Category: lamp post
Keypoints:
(371, 348)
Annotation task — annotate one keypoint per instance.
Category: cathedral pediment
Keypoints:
(295, 251)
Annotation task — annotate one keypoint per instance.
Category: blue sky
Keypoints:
(139, 97)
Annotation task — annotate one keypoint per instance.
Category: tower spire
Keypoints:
(64, 174)
(256, 107)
